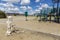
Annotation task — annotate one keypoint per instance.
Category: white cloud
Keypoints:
(7, 4)
(9, 7)
(37, 6)
(31, 12)
(37, 10)
(44, 5)
(24, 2)
(23, 7)
(2, 9)
(2, 4)
(13, 10)
(11, 1)
(37, 0)
(29, 8)
(40, 8)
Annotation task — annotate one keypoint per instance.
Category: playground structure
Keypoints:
(26, 14)
(50, 13)
(57, 16)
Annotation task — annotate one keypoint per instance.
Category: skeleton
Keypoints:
(10, 27)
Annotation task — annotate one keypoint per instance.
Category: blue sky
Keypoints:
(20, 6)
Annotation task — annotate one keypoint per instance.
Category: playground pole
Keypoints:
(26, 14)
(58, 11)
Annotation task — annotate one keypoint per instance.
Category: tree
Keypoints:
(2, 14)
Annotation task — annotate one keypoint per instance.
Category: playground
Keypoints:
(29, 19)
(31, 29)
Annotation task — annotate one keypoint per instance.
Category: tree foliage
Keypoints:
(2, 14)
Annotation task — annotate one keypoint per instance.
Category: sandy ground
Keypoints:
(32, 29)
